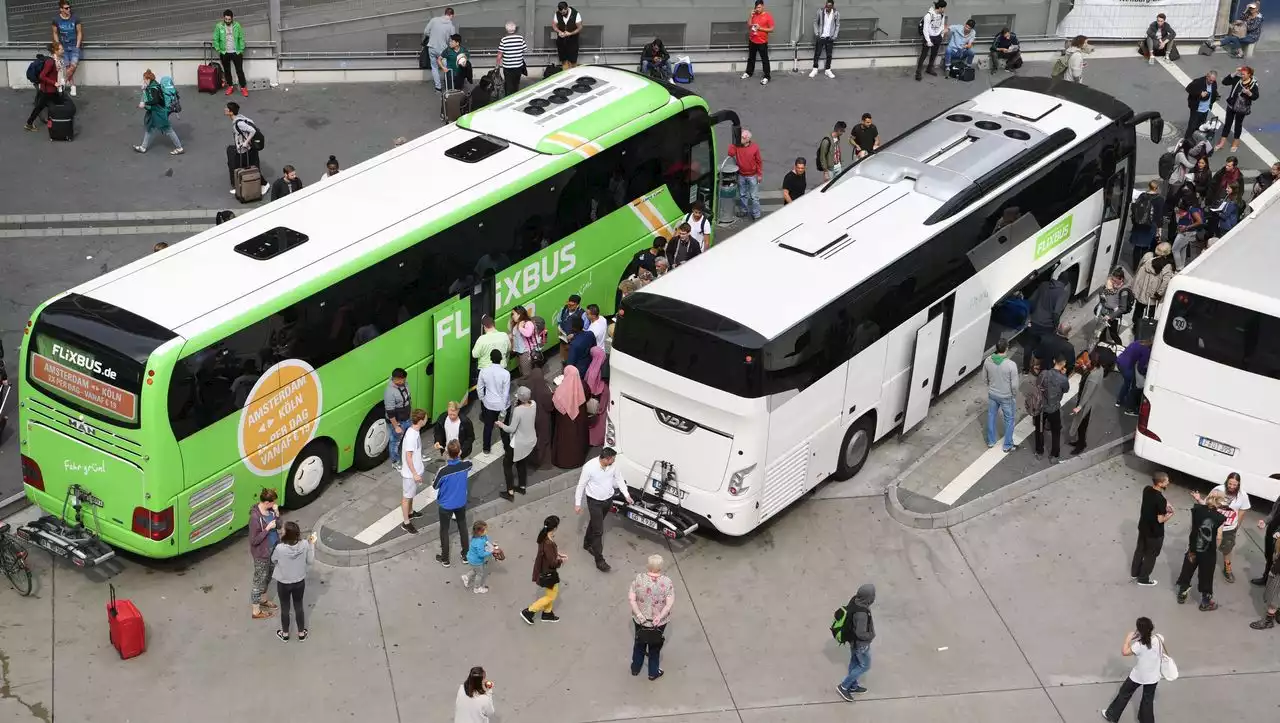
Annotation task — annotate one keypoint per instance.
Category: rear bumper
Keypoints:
(113, 534)
(1216, 472)
(727, 515)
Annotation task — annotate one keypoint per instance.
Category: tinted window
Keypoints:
(1224, 333)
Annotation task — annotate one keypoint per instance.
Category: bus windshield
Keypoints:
(1224, 333)
(92, 356)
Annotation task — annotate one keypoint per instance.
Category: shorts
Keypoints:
(1228, 541)
(408, 487)
(70, 54)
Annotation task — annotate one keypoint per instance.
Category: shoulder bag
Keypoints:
(1168, 668)
(549, 578)
(649, 634)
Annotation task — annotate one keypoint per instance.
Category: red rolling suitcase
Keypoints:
(125, 627)
(209, 74)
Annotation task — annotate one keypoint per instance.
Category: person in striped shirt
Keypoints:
(511, 59)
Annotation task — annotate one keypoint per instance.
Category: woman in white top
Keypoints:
(1147, 647)
(475, 699)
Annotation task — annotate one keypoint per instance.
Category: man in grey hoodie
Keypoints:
(1002, 387)
(863, 632)
(1048, 302)
(1053, 385)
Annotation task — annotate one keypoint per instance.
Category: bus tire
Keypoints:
(855, 448)
(372, 441)
(309, 474)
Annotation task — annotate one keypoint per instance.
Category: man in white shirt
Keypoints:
(933, 28)
(493, 386)
(699, 224)
(598, 481)
(1233, 511)
(411, 468)
(826, 28)
(597, 324)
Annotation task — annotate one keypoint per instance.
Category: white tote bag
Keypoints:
(1168, 668)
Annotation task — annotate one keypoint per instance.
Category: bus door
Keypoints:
(451, 368)
(1116, 198)
(925, 364)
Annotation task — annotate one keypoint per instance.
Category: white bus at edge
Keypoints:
(1015, 184)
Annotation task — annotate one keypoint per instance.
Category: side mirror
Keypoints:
(1157, 129)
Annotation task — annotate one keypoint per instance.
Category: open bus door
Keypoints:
(451, 367)
(1117, 196)
(924, 368)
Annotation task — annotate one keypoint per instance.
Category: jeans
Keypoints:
(859, 664)
(1232, 44)
(749, 196)
(665, 68)
(1146, 709)
(762, 50)
(819, 46)
(1053, 421)
(1128, 386)
(1006, 407)
(593, 539)
(478, 575)
(639, 650)
(434, 57)
(291, 596)
(394, 440)
(488, 417)
(1144, 556)
(150, 136)
(233, 59)
(965, 53)
(460, 515)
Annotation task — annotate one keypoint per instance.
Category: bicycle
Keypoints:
(13, 561)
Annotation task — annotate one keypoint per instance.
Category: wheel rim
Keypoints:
(308, 476)
(857, 447)
(376, 439)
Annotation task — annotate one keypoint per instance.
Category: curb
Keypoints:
(428, 534)
(13, 505)
(1008, 493)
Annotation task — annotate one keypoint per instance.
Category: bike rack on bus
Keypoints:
(75, 542)
(659, 510)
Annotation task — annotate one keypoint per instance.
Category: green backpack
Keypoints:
(1059, 67)
(840, 620)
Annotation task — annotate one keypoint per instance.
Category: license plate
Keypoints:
(1217, 446)
(637, 517)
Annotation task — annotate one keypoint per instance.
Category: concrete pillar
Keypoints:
(1051, 22)
(532, 33)
(4, 24)
(274, 20)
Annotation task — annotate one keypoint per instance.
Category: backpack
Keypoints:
(34, 68)
(222, 217)
(1140, 212)
(821, 152)
(920, 27)
(1165, 165)
(172, 101)
(258, 141)
(1059, 67)
(840, 621)
(682, 71)
(1035, 397)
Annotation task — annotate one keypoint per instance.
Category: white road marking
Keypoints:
(1246, 137)
(392, 519)
(989, 459)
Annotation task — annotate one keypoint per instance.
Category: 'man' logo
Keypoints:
(675, 421)
(522, 282)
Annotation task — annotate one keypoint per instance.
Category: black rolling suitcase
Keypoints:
(62, 120)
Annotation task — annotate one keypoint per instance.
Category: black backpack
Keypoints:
(920, 27)
(1141, 210)
(259, 140)
(1165, 165)
(34, 68)
(840, 624)
(818, 159)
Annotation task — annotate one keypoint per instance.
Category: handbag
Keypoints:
(649, 634)
(1168, 668)
(1239, 29)
(1240, 102)
(549, 578)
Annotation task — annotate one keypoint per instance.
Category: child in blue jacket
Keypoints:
(479, 552)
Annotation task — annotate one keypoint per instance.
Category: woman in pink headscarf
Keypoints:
(599, 392)
(569, 445)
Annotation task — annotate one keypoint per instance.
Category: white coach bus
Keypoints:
(776, 360)
(1211, 404)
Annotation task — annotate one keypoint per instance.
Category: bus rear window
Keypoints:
(92, 356)
(1224, 333)
(690, 342)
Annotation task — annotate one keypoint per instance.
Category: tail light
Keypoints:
(31, 474)
(153, 525)
(737, 481)
(22, 554)
(610, 433)
(1144, 415)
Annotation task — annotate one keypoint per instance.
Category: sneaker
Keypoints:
(1007, 450)
(764, 81)
(33, 129)
(829, 73)
(1148, 583)
(659, 675)
(1182, 597)
(139, 149)
(444, 561)
(284, 637)
(1150, 61)
(527, 615)
(813, 73)
(603, 566)
(408, 527)
(232, 192)
(178, 152)
(466, 581)
(931, 71)
(1104, 716)
(918, 78)
(244, 92)
(550, 618)
(481, 590)
(508, 495)
(302, 635)
(858, 689)
(230, 89)
(746, 75)
(415, 514)
(73, 91)
(1259, 581)
(847, 695)
(1228, 575)
(1208, 606)
(1266, 623)
(522, 490)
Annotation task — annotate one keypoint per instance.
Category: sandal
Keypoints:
(302, 635)
(284, 636)
(1235, 147)
(269, 605)
(262, 615)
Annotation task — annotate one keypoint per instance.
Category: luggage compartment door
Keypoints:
(924, 367)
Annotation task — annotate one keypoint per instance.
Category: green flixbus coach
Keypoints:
(255, 354)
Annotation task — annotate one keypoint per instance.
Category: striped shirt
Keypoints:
(512, 48)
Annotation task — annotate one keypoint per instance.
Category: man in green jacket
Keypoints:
(228, 41)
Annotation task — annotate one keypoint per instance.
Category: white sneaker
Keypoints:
(73, 91)
(481, 590)
(746, 75)
(764, 81)
(830, 74)
(1151, 61)
(466, 581)
(813, 73)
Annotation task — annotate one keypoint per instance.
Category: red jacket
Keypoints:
(748, 158)
(765, 21)
(49, 77)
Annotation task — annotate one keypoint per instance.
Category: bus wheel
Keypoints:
(856, 447)
(372, 441)
(310, 472)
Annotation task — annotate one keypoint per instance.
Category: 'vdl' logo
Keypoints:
(675, 421)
